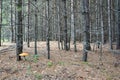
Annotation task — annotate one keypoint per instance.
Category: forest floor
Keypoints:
(63, 65)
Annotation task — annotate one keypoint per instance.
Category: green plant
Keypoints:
(49, 64)
(85, 63)
(109, 78)
(29, 69)
(38, 76)
(61, 63)
(28, 59)
(35, 58)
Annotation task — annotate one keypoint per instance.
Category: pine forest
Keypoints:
(59, 39)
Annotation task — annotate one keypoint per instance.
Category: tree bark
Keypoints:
(118, 27)
(86, 24)
(28, 35)
(12, 30)
(74, 24)
(58, 20)
(65, 28)
(101, 22)
(109, 24)
(48, 31)
(86, 45)
(19, 44)
(97, 20)
(1, 21)
(36, 29)
(15, 20)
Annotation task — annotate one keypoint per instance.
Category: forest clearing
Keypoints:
(63, 65)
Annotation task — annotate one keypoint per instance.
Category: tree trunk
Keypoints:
(73, 22)
(19, 44)
(36, 29)
(101, 22)
(109, 24)
(60, 42)
(58, 20)
(1, 21)
(86, 25)
(97, 21)
(12, 30)
(48, 31)
(15, 21)
(118, 27)
(28, 41)
(65, 28)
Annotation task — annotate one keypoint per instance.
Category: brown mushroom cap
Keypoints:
(23, 54)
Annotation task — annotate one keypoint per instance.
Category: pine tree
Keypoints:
(118, 27)
(19, 38)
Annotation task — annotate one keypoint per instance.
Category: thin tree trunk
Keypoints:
(109, 24)
(70, 31)
(1, 21)
(62, 38)
(101, 19)
(15, 21)
(102, 30)
(42, 28)
(65, 28)
(36, 29)
(24, 21)
(48, 31)
(58, 20)
(112, 21)
(118, 27)
(72, 21)
(12, 30)
(97, 21)
(75, 24)
(116, 20)
(28, 41)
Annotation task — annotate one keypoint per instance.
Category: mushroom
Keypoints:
(23, 55)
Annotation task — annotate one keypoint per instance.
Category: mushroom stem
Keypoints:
(25, 58)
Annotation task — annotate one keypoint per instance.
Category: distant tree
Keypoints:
(36, 27)
(12, 29)
(97, 20)
(75, 24)
(15, 19)
(101, 22)
(28, 39)
(118, 26)
(58, 20)
(60, 27)
(109, 24)
(48, 29)
(65, 27)
(1, 2)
